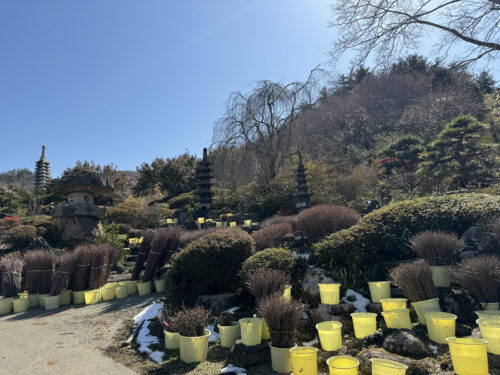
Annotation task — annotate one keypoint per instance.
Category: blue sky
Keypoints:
(125, 81)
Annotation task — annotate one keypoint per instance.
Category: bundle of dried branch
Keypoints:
(80, 278)
(437, 248)
(64, 269)
(11, 270)
(480, 277)
(142, 254)
(39, 271)
(98, 266)
(415, 279)
(282, 317)
(264, 282)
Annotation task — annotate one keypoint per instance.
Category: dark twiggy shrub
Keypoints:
(320, 221)
(194, 235)
(142, 254)
(99, 265)
(271, 235)
(64, 268)
(80, 279)
(282, 318)
(11, 271)
(415, 279)
(225, 319)
(494, 227)
(480, 276)
(190, 322)
(39, 271)
(264, 282)
(166, 315)
(436, 247)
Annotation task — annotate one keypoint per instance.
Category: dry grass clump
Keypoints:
(165, 243)
(320, 221)
(225, 319)
(438, 248)
(39, 271)
(264, 282)
(282, 318)
(193, 235)
(64, 269)
(190, 322)
(142, 254)
(415, 279)
(271, 235)
(480, 277)
(11, 275)
(80, 278)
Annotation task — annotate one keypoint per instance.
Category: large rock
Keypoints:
(477, 240)
(312, 277)
(405, 342)
(458, 302)
(217, 303)
(415, 367)
(248, 356)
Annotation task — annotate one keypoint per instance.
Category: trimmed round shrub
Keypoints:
(277, 258)
(380, 240)
(183, 200)
(124, 228)
(210, 264)
(271, 235)
(320, 221)
(21, 235)
(47, 227)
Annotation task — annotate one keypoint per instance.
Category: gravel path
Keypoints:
(66, 341)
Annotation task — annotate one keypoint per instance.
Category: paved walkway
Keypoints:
(66, 341)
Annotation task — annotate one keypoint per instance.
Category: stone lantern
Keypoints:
(80, 217)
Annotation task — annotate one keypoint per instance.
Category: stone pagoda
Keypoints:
(302, 193)
(42, 171)
(80, 217)
(204, 183)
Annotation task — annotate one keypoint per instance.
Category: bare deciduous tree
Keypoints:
(392, 28)
(263, 120)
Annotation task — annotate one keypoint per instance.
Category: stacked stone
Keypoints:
(302, 193)
(204, 184)
(42, 171)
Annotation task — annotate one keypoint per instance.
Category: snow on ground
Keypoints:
(148, 313)
(360, 301)
(232, 309)
(214, 336)
(303, 256)
(145, 339)
(311, 343)
(231, 369)
(434, 348)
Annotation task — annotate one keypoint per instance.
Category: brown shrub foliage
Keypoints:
(190, 322)
(438, 248)
(39, 271)
(264, 282)
(415, 279)
(271, 235)
(11, 268)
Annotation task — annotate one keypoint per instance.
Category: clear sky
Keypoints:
(125, 81)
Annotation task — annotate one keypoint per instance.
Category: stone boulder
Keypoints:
(248, 356)
(478, 240)
(217, 303)
(405, 342)
(415, 367)
(312, 277)
(460, 303)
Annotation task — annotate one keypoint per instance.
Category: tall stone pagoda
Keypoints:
(42, 171)
(302, 193)
(204, 183)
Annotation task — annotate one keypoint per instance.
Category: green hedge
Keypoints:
(277, 258)
(210, 264)
(380, 239)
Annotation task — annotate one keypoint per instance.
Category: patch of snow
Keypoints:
(304, 315)
(144, 339)
(148, 313)
(434, 348)
(231, 369)
(232, 309)
(311, 343)
(359, 303)
(302, 256)
(214, 336)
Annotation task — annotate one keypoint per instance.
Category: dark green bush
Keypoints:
(274, 258)
(210, 264)
(187, 200)
(381, 239)
(21, 235)
(47, 227)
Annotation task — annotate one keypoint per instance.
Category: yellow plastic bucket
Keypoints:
(251, 331)
(41, 298)
(23, 295)
(304, 360)
(132, 286)
(201, 220)
(287, 293)
(330, 335)
(65, 297)
(144, 288)
(490, 330)
(343, 365)
(281, 360)
(229, 335)
(379, 290)
(171, 340)
(490, 306)
(441, 276)
(20, 305)
(440, 325)
(92, 296)
(397, 319)
(391, 304)
(108, 293)
(121, 290)
(79, 297)
(232, 224)
(160, 285)
(425, 306)
(387, 367)
(329, 293)
(5, 305)
(51, 302)
(365, 324)
(488, 314)
(469, 355)
(194, 349)
(33, 300)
